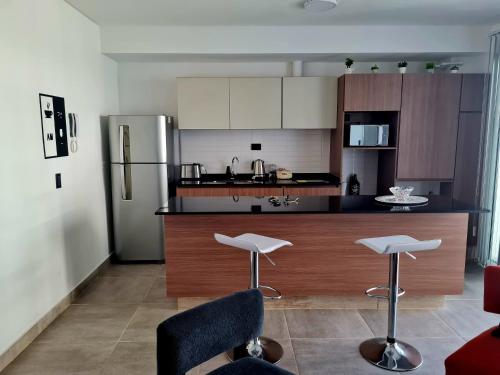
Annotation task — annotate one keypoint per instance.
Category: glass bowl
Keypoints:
(401, 193)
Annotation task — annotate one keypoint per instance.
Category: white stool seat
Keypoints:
(388, 352)
(398, 244)
(269, 349)
(252, 242)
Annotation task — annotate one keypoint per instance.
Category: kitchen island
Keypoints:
(324, 260)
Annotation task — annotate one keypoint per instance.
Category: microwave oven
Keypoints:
(369, 135)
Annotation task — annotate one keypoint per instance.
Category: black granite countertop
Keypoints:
(363, 204)
(245, 180)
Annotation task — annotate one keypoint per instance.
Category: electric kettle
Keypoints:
(192, 171)
(258, 168)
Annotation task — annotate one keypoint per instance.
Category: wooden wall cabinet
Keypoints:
(371, 92)
(467, 159)
(203, 103)
(309, 102)
(470, 127)
(472, 93)
(255, 103)
(428, 126)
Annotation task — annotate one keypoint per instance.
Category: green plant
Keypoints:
(349, 62)
(430, 65)
(402, 64)
(374, 67)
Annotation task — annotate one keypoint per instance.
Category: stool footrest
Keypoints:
(267, 287)
(369, 291)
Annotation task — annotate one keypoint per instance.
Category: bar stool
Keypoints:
(260, 347)
(390, 353)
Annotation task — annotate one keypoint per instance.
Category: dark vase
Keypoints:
(353, 186)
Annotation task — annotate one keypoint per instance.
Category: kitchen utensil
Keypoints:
(258, 168)
(198, 169)
(187, 171)
(192, 171)
(401, 192)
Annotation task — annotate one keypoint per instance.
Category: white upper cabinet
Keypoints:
(309, 102)
(203, 103)
(255, 103)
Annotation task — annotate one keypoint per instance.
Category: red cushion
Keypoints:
(480, 356)
(492, 289)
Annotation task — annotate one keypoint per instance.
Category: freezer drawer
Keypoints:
(138, 191)
(141, 139)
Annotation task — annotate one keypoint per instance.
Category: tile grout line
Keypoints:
(291, 343)
(150, 289)
(450, 327)
(128, 324)
(366, 323)
(119, 339)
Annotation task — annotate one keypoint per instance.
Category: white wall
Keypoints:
(150, 88)
(50, 240)
(340, 39)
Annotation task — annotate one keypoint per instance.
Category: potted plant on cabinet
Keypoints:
(374, 68)
(454, 69)
(429, 67)
(348, 65)
(402, 66)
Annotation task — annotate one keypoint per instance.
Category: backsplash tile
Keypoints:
(364, 163)
(299, 150)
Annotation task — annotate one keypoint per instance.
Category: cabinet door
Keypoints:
(468, 153)
(311, 191)
(256, 191)
(255, 103)
(309, 102)
(428, 126)
(202, 192)
(372, 92)
(203, 103)
(472, 93)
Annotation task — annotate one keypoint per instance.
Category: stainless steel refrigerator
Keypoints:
(142, 168)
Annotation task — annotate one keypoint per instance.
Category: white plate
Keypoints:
(412, 199)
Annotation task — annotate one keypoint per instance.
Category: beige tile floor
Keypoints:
(111, 330)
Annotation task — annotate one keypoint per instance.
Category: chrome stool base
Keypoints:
(272, 351)
(398, 356)
(277, 294)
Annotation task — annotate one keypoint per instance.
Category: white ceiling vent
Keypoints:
(320, 5)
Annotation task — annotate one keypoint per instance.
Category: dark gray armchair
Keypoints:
(192, 337)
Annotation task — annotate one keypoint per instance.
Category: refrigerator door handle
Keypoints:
(126, 182)
(124, 139)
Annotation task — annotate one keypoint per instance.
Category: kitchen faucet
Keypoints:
(233, 166)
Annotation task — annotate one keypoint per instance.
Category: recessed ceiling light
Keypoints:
(319, 5)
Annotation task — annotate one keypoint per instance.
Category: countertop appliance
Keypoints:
(284, 174)
(192, 171)
(258, 168)
(369, 135)
(142, 168)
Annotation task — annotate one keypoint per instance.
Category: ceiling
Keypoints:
(288, 12)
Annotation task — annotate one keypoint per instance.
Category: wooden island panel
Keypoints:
(324, 259)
